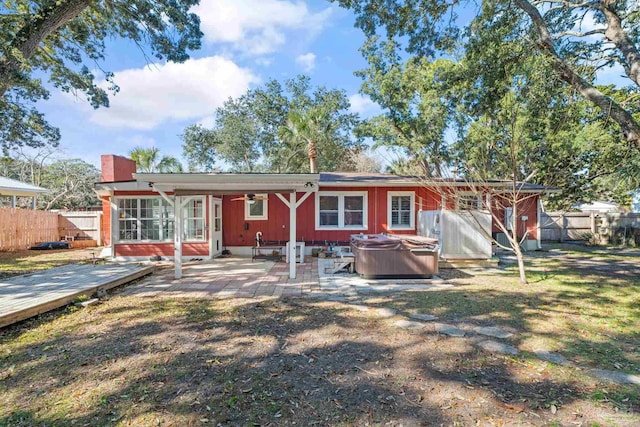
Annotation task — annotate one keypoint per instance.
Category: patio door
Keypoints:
(215, 245)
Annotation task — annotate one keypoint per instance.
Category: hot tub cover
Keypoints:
(393, 242)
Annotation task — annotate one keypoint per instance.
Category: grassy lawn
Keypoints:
(579, 303)
(161, 361)
(23, 262)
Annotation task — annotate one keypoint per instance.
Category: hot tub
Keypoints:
(394, 256)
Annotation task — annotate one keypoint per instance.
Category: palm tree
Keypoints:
(309, 128)
(148, 160)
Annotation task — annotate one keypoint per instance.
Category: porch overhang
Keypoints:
(192, 184)
(229, 183)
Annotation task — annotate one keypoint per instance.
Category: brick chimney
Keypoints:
(117, 168)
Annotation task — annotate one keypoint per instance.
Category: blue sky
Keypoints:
(246, 43)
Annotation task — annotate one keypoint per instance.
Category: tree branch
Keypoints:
(618, 36)
(630, 128)
(29, 37)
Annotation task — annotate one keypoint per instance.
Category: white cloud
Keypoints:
(307, 61)
(257, 26)
(363, 105)
(151, 95)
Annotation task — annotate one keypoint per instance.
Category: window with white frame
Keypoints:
(341, 210)
(145, 219)
(468, 202)
(401, 210)
(194, 219)
(256, 209)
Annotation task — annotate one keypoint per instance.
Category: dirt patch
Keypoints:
(137, 361)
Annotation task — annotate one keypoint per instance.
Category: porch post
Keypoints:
(292, 235)
(177, 237)
(14, 201)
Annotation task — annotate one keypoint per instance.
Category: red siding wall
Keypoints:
(106, 221)
(529, 208)
(162, 249)
(276, 227)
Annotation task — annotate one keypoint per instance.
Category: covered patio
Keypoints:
(234, 277)
(179, 189)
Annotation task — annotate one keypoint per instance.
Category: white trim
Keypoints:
(115, 232)
(115, 228)
(209, 214)
(212, 227)
(293, 210)
(412, 219)
(304, 197)
(539, 230)
(341, 195)
(177, 236)
(265, 209)
(186, 201)
(284, 200)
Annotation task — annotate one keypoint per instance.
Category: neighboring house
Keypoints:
(598, 207)
(140, 219)
(14, 189)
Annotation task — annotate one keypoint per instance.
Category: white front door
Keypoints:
(216, 227)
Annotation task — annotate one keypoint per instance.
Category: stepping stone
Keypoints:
(361, 307)
(616, 376)
(452, 331)
(497, 347)
(549, 356)
(336, 298)
(89, 302)
(492, 331)
(386, 312)
(423, 316)
(409, 324)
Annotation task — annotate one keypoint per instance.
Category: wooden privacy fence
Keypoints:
(21, 228)
(583, 226)
(83, 224)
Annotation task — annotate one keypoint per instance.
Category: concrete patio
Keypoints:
(238, 277)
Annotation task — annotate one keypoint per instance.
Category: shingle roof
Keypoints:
(385, 178)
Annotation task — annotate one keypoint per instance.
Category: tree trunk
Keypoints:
(521, 270)
(630, 128)
(28, 38)
(313, 154)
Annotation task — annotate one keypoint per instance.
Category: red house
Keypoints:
(197, 215)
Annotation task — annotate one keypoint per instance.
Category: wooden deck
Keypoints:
(26, 296)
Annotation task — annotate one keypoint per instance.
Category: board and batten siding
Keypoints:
(276, 226)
